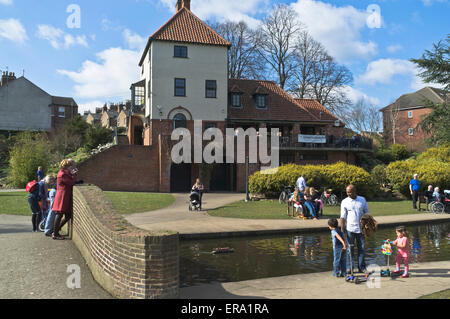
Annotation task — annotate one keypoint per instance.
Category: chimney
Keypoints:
(183, 4)
(7, 77)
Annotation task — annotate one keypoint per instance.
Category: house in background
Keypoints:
(25, 106)
(401, 119)
(184, 79)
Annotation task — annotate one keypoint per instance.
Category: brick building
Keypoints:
(401, 119)
(184, 79)
(25, 106)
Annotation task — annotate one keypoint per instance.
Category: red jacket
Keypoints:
(63, 200)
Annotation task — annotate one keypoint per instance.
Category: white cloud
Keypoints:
(431, 2)
(394, 48)
(6, 2)
(58, 38)
(13, 30)
(89, 106)
(134, 40)
(337, 28)
(384, 71)
(354, 95)
(110, 78)
(234, 10)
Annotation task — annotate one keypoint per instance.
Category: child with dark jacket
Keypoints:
(339, 248)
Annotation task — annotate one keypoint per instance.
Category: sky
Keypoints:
(90, 50)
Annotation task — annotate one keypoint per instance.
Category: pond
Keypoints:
(272, 256)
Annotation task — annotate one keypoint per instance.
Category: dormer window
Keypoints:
(180, 51)
(236, 99)
(261, 101)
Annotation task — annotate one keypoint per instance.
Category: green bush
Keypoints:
(379, 175)
(30, 151)
(399, 152)
(385, 156)
(435, 173)
(98, 135)
(337, 176)
(440, 154)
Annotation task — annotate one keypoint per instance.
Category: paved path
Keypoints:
(199, 224)
(35, 266)
(426, 278)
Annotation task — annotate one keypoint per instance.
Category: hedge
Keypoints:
(432, 166)
(337, 176)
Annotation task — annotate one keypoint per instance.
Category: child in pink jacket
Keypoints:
(402, 244)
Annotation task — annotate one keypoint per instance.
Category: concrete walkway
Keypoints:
(426, 278)
(200, 225)
(33, 266)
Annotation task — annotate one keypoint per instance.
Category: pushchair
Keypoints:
(195, 201)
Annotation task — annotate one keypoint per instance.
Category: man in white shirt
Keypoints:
(353, 209)
(301, 183)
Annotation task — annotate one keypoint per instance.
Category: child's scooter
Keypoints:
(386, 249)
(352, 278)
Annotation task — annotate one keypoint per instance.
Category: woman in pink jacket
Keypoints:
(63, 204)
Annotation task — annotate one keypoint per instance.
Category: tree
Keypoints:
(435, 66)
(363, 117)
(436, 126)
(30, 151)
(243, 61)
(71, 136)
(393, 117)
(318, 76)
(274, 41)
(98, 135)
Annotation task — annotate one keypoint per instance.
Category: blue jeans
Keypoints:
(339, 262)
(360, 242)
(49, 222)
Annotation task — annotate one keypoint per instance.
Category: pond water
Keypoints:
(272, 256)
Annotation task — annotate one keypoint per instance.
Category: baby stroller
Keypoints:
(195, 201)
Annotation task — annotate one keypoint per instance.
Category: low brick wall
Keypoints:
(126, 261)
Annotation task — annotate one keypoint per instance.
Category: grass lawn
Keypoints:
(131, 203)
(126, 203)
(445, 294)
(271, 209)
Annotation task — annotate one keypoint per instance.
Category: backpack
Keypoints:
(31, 186)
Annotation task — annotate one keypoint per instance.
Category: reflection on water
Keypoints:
(262, 257)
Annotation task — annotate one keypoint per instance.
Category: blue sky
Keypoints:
(97, 62)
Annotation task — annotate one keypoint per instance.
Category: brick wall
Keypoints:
(415, 142)
(126, 261)
(132, 168)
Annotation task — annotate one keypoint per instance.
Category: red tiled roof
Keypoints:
(280, 105)
(316, 108)
(186, 27)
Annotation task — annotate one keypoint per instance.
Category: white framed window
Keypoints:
(61, 111)
(410, 114)
(411, 131)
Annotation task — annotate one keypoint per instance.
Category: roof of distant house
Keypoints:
(281, 106)
(420, 98)
(186, 27)
(319, 111)
(64, 101)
